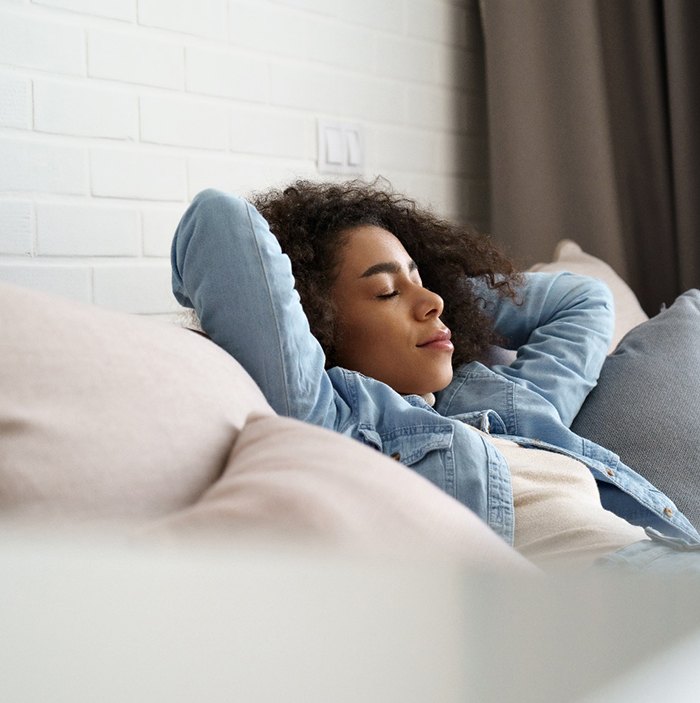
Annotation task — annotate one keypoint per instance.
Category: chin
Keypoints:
(443, 382)
(436, 387)
(423, 385)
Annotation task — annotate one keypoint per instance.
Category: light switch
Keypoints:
(340, 147)
(335, 148)
(354, 144)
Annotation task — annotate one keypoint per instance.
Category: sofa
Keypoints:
(166, 536)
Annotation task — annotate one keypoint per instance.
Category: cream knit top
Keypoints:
(558, 514)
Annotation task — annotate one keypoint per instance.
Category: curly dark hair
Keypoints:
(311, 219)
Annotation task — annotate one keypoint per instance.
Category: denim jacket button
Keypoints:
(396, 456)
(668, 512)
(610, 472)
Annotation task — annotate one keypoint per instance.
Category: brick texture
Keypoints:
(16, 227)
(15, 101)
(115, 113)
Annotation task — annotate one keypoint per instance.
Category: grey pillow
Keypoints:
(646, 406)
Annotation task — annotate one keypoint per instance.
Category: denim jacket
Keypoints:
(228, 266)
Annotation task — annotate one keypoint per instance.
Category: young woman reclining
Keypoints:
(354, 309)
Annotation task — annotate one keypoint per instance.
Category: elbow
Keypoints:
(206, 231)
(595, 296)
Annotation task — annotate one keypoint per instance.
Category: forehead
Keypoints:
(369, 244)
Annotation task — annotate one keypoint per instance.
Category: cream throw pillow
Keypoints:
(568, 256)
(287, 478)
(107, 415)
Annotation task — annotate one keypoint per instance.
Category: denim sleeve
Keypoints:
(561, 326)
(228, 266)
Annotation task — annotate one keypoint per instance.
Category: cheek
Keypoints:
(358, 340)
(351, 335)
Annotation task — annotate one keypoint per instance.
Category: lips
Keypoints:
(438, 340)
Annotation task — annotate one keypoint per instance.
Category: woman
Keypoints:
(353, 334)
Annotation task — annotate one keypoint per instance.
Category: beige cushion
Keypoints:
(284, 477)
(568, 256)
(109, 415)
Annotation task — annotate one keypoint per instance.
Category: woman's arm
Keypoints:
(228, 266)
(561, 331)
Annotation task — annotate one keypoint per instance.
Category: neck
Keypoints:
(429, 398)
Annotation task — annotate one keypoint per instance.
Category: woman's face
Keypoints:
(388, 325)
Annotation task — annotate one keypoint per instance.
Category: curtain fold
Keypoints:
(682, 25)
(593, 114)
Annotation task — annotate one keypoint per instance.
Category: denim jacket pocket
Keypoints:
(409, 445)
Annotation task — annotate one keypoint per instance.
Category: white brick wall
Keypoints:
(103, 112)
(137, 174)
(16, 227)
(38, 166)
(113, 9)
(143, 287)
(62, 279)
(136, 58)
(227, 73)
(184, 121)
(67, 229)
(15, 101)
(115, 113)
(158, 227)
(28, 41)
(205, 18)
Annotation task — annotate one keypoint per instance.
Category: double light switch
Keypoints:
(340, 147)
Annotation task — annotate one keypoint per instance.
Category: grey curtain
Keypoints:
(594, 134)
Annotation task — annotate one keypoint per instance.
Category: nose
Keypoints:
(429, 304)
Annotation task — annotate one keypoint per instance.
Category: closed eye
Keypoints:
(386, 296)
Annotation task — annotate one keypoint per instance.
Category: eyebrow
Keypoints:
(387, 267)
